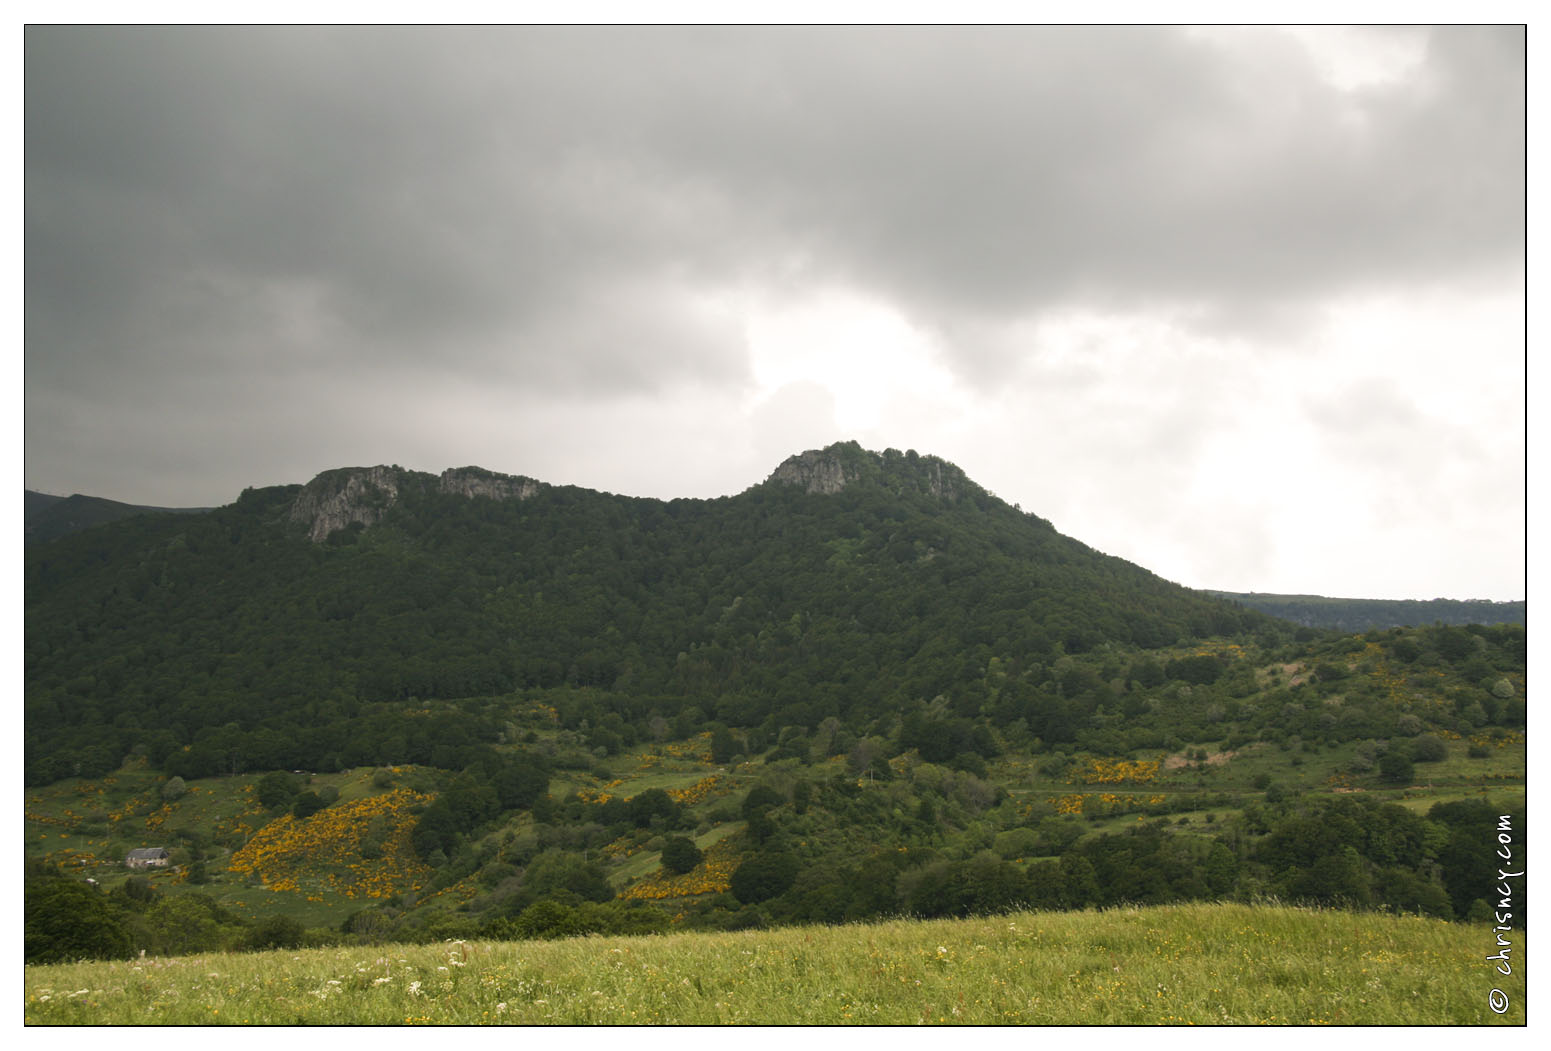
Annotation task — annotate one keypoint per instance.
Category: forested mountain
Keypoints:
(1354, 614)
(289, 628)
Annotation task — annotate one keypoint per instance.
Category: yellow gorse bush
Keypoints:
(1068, 804)
(703, 789)
(326, 848)
(697, 747)
(1118, 771)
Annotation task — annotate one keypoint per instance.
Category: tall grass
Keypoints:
(1173, 965)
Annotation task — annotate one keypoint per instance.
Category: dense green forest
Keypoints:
(865, 687)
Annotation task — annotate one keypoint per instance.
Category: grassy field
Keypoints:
(1172, 965)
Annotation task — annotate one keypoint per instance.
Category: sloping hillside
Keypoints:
(848, 584)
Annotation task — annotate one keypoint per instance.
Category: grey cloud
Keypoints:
(463, 184)
(551, 209)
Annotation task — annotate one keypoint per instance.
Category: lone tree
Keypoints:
(1396, 768)
(680, 855)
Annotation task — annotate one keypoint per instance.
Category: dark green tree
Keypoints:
(276, 790)
(68, 920)
(680, 855)
(1396, 767)
(276, 932)
(764, 876)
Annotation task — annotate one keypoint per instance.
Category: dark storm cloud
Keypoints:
(412, 187)
(559, 210)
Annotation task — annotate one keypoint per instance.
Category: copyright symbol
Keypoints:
(1497, 1000)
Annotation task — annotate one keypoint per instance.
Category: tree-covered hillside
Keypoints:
(232, 639)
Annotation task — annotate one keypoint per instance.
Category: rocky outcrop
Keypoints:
(476, 481)
(836, 467)
(816, 471)
(941, 479)
(335, 500)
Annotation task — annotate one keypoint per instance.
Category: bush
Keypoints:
(276, 790)
(1428, 749)
(277, 932)
(307, 804)
(653, 803)
(1396, 768)
(764, 876)
(680, 855)
(66, 920)
(176, 788)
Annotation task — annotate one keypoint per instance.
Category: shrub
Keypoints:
(764, 876)
(680, 855)
(66, 920)
(276, 790)
(277, 932)
(307, 804)
(1395, 767)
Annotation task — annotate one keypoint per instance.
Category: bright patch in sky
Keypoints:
(866, 355)
(1355, 57)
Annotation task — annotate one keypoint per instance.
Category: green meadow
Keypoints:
(1192, 964)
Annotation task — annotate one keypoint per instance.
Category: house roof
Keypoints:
(147, 853)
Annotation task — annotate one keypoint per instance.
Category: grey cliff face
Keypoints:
(817, 471)
(944, 485)
(474, 481)
(335, 500)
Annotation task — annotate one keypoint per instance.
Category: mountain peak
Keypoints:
(836, 467)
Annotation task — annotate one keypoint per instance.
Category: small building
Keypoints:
(147, 858)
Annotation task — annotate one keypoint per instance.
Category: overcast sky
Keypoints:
(1243, 307)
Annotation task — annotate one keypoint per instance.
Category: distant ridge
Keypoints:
(50, 517)
(1358, 614)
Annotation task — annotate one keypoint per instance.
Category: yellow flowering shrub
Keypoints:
(1119, 771)
(697, 747)
(705, 788)
(1068, 804)
(326, 847)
